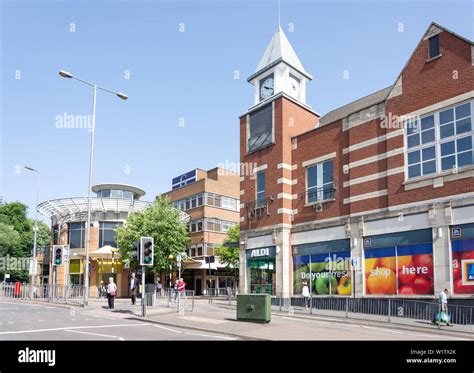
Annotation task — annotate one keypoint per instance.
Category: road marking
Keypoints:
(97, 334)
(171, 330)
(11, 322)
(40, 320)
(71, 328)
(9, 308)
(211, 336)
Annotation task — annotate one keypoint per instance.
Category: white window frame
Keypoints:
(438, 141)
(319, 181)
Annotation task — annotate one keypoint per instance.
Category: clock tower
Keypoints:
(268, 200)
(279, 71)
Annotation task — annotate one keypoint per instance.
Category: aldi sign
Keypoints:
(184, 179)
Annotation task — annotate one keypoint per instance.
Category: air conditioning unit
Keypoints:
(318, 207)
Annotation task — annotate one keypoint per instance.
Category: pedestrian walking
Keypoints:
(443, 316)
(181, 288)
(111, 292)
(133, 288)
(305, 295)
(102, 290)
(159, 288)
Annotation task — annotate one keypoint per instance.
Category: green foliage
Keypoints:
(17, 235)
(160, 221)
(229, 256)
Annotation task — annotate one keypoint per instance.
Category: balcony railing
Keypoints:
(258, 208)
(259, 141)
(319, 194)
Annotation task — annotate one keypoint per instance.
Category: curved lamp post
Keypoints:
(123, 96)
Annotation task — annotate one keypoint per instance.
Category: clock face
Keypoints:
(266, 87)
(294, 86)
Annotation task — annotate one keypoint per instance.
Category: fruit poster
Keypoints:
(325, 274)
(463, 266)
(402, 270)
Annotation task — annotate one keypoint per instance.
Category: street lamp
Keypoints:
(123, 96)
(33, 264)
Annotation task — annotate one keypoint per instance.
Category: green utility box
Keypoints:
(254, 307)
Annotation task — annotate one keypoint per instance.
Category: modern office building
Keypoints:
(372, 199)
(111, 205)
(211, 199)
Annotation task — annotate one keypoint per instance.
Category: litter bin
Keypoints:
(254, 307)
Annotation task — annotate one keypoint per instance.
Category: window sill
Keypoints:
(319, 202)
(434, 58)
(446, 176)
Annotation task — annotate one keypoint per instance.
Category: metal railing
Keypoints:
(401, 311)
(171, 298)
(48, 293)
(319, 194)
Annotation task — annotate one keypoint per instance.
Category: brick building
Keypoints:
(375, 198)
(211, 199)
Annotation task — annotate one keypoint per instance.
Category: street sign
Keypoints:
(179, 258)
(210, 259)
(231, 244)
(7, 275)
(67, 254)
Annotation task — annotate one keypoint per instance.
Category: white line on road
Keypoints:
(65, 328)
(171, 330)
(211, 336)
(96, 334)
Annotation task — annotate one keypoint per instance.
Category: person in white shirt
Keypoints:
(443, 301)
(133, 286)
(111, 292)
(305, 294)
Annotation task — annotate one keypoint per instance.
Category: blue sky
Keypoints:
(173, 75)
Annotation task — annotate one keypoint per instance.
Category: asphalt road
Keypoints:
(26, 321)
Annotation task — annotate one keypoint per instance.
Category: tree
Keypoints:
(160, 221)
(229, 256)
(17, 235)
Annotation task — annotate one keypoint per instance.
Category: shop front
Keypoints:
(462, 256)
(324, 267)
(399, 263)
(261, 270)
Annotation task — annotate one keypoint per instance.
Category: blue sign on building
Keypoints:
(184, 179)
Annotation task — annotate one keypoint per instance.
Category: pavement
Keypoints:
(217, 321)
(20, 320)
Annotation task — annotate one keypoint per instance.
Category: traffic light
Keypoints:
(146, 251)
(58, 252)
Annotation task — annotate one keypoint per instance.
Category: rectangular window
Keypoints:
(76, 235)
(434, 46)
(320, 185)
(107, 235)
(261, 186)
(440, 141)
(260, 128)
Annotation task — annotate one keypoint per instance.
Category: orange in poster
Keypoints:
(388, 262)
(370, 264)
(404, 261)
(381, 281)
